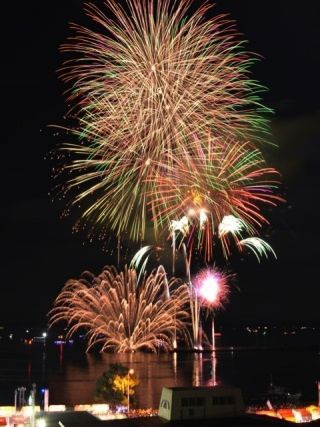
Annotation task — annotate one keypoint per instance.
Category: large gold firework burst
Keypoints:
(153, 87)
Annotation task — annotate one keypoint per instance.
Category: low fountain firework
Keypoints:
(123, 315)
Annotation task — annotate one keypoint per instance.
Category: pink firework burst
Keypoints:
(212, 289)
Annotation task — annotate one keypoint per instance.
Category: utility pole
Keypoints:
(33, 403)
(20, 394)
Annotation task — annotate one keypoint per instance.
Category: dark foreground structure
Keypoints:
(220, 406)
(83, 419)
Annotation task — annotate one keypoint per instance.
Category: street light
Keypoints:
(130, 372)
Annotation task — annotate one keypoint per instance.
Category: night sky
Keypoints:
(39, 251)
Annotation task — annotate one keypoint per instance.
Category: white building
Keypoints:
(182, 403)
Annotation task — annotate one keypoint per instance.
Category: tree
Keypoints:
(113, 386)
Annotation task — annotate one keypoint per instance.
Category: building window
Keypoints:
(200, 401)
(191, 412)
(192, 401)
(231, 400)
(223, 400)
(187, 401)
(216, 400)
(184, 401)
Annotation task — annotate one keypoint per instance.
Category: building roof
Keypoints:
(84, 419)
(244, 421)
(219, 386)
(71, 419)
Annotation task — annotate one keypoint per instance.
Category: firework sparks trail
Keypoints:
(143, 253)
(231, 224)
(181, 226)
(121, 316)
(258, 246)
(158, 86)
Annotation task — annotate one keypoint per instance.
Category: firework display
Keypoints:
(169, 128)
(120, 315)
(161, 95)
